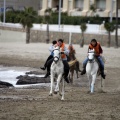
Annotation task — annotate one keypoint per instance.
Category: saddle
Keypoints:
(71, 63)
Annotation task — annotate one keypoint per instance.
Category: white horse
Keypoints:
(92, 69)
(57, 68)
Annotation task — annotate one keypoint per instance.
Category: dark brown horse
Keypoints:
(73, 63)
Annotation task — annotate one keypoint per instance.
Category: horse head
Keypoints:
(71, 53)
(91, 55)
(57, 54)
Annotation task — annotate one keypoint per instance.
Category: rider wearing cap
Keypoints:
(64, 52)
(98, 51)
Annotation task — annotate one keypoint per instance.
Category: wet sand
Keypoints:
(36, 104)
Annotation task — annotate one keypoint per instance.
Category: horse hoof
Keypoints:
(55, 92)
(50, 94)
(62, 99)
(91, 93)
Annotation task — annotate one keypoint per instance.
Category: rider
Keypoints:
(64, 52)
(51, 55)
(98, 50)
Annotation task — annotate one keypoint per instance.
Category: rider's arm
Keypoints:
(51, 48)
(89, 48)
(100, 49)
(66, 51)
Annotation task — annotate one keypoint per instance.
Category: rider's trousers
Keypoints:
(100, 60)
(50, 57)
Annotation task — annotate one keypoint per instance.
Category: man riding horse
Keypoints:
(51, 54)
(64, 52)
(98, 50)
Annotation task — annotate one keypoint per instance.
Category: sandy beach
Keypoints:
(36, 104)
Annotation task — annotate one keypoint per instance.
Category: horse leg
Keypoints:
(60, 87)
(93, 83)
(77, 68)
(69, 76)
(77, 73)
(72, 73)
(89, 79)
(63, 89)
(51, 88)
(58, 82)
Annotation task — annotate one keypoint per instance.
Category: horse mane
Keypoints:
(71, 49)
(72, 53)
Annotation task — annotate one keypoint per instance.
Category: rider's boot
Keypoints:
(66, 76)
(66, 79)
(84, 70)
(103, 74)
(102, 71)
(43, 68)
(48, 68)
(47, 74)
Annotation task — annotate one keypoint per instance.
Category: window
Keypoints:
(101, 4)
(79, 4)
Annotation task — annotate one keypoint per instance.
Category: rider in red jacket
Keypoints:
(98, 51)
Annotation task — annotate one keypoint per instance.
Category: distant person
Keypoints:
(51, 54)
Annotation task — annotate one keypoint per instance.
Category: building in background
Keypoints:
(81, 7)
(20, 4)
(72, 7)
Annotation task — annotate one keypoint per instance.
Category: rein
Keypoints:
(57, 56)
(91, 60)
(56, 49)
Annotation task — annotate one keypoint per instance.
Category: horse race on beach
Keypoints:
(35, 103)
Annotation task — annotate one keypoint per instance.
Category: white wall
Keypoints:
(94, 29)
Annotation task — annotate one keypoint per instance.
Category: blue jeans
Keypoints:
(100, 60)
(85, 62)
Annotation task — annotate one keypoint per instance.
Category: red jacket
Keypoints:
(97, 48)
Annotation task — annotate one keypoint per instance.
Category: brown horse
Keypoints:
(73, 63)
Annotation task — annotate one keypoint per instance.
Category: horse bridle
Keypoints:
(56, 56)
(91, 60)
